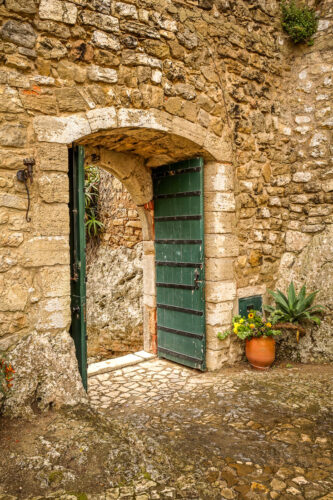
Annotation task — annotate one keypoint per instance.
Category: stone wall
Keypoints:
(114, 276)
(145, 83)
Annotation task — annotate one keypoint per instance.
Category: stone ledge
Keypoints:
(117, 363)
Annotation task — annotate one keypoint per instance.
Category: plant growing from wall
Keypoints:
(291, 310)
(91, 194)
(299, 21)
(6, 374)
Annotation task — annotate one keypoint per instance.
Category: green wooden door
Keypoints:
(179, 244)
(78, 257)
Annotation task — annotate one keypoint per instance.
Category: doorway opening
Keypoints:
(114, 268)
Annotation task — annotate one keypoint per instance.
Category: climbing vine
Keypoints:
(91, 194)
(299, 21)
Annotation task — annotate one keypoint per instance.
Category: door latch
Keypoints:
(196, 279)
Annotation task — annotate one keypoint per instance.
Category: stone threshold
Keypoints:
(110, 365)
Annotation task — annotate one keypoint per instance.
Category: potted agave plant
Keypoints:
(294, 311)
(259, 338)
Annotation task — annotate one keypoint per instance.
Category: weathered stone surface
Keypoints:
(61, 130)
(13, 135)
(311, 266)
(114, 314)
(46, 374)
(104, 41)
(53, 157)
(70, 99)
(58, 10)
(54, 188)
(22, 6)
(45, 251)
(98, 74)
(101, 21)
(19, 33)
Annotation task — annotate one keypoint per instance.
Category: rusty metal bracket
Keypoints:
(23, 175)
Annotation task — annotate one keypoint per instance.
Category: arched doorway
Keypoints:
(130, 143)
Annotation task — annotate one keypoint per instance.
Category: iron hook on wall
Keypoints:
(23, 175)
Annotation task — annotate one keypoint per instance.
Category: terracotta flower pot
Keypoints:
(260, 352)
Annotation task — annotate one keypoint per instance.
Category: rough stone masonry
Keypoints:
(140, 84)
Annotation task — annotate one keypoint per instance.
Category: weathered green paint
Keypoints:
(179, 244)
(78, 257)
(248, 303)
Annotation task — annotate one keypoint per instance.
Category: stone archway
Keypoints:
(128, 142)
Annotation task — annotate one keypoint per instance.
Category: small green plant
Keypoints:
(91, 194)
(299, 21)
(293, 308)
(6, 374)
(254, 325)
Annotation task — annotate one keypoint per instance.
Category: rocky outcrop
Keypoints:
(114, 301)
(46, 375)
(314, 267)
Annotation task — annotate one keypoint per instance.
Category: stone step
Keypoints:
(110, 365)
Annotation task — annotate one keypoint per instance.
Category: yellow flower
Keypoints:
(268, 324)
(241, 320)
(251, 316)
(236, 330)
(252, 326)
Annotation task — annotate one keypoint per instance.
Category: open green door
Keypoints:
(78, 257)
(179, 244)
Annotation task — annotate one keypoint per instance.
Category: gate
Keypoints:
(78, 257)
(179, 245)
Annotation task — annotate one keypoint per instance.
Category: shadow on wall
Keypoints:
(115, 276)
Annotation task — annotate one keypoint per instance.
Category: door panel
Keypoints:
(78, 257)
(179, 245)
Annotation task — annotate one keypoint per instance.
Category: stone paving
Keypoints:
(231, 434)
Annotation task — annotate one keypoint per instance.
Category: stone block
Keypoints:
(63, 130)
(19, 33)
(220, 222)
(14, 135)
(212, 341)
(218, 177)
(219, 202)
(296, 241)
(188, 130)
(53, 156)
(53, 314)
(223, 291)
(104, 41)
(14, 291)
(149, 300)
(44, 104)
(101, 21)
(54, 281)
(149, 277)
(54, 187)
(221, 245)
(102, 118)
(249, 291)
(10, 101)
(45, 251)
(22, 6)
(126, 10)
(113, 364)
(99, 74)
(58, 10)
(13, 201)
(219, 147)
(69, 99)
(219, 313)
(216, 359)
(219, 269)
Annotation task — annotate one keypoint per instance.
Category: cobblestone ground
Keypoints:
(160, 431)
(233, 434)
